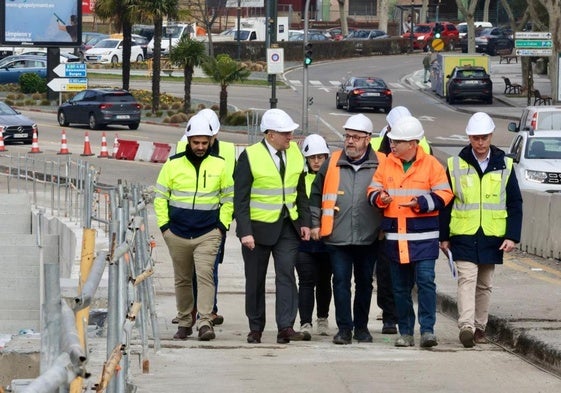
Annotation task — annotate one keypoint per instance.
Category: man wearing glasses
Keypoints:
(349, 226)
(411, 187)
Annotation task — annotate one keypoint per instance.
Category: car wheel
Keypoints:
(492, 51)
(349, 107)
(62, 119)
(134, 126)
(387, 109)
(114, 59)
(139, 59)
(337, 103)
(489, 100)
(92, 122)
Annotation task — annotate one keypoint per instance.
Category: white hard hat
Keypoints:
(359, 123)
(480, 123)
(277, 120)
(397, 113)
(408, 128)
(198, 126)
(212, 118)
(314, 144)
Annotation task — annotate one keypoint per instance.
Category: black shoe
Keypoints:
(288, 334)
(182, 333)
(216, 319)
(343, 337)
(389, 328)
(362, 336)
(206, 333)
(254, 337)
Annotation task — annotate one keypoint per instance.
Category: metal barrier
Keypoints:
(67, 189)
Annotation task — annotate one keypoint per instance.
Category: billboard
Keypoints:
(41, 22)
(88, 7)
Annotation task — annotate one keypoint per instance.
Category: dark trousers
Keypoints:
(384, 294)
(256, 262)
(314, 284)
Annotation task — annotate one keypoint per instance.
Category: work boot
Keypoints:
(466, 337)
(182, 333)
(206, 333)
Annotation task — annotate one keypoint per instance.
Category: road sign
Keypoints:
(534, 52)
(275, 60)
(437, 44)
(71, 70)
(533, 44)
(535, 35)
(68, 84)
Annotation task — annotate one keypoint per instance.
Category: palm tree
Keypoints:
(224, 70)
(188, 54)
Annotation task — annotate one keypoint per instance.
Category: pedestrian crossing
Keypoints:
(332, 86)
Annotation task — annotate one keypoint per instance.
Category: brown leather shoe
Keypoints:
(175, 320)
(182, 333)
(288, 334)
(254, 337)
(216, 319)
(479, 337)
(206, 333)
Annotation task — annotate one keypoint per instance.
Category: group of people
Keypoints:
(381, 206)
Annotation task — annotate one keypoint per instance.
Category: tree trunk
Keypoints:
(188, 76)
(383, 15)
(343, 18)
(156, 64)
(223, 102)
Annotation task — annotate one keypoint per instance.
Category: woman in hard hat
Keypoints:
(411, 187)
(313, 265)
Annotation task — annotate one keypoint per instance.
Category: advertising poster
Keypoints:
(42, 22)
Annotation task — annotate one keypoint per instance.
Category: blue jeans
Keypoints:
(343, 260)
(404, 276)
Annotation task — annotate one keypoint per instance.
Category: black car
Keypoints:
(469, 82)
(490, 40)
(100, 107)
(364, 92)
(14, 126)
(364, 34)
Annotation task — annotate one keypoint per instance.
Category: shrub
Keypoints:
(9, 102)
(30, 101)
(45, 102)
(11, 97)
(32, 83)
(236, 119)
(37, 96)
(176, 105)
(170, 113)
(164, 107)
(148, 114)
(177, 118)
(159, 113)
(166, 120)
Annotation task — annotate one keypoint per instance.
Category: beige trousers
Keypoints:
(475, 284)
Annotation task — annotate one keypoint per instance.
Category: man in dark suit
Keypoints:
(272, 216)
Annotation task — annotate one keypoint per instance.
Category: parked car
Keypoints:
(423, 34)
(491, 40)
(538, 118)
(12, 67)
(537, 160)
(16, 127)
(100, 107)
(336, 34)
(110, 50)
(463, 27)
(142, 42)
(312, 36)
(364, 92)
(364, 34)
(64, 57)
(89, 40)
(469, 82)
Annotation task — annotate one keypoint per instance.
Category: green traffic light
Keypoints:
(307, 61)
(437, 35)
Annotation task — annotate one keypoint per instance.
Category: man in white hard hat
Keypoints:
(313, 265)
(411, 187)
(487, 195)
(194, 208)
(343, 219)
(272, 216)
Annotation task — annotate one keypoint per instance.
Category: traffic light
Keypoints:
(437, 30)
(308, 55)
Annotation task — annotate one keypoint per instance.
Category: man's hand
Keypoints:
(248, 241)
(305, 233)
(385, 198)
(412, 203)
(314, 234)
(445, 246)
(507, 246)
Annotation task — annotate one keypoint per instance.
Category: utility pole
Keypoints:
(271, 17)
(412, 24)
(239, 15)
(305, 71)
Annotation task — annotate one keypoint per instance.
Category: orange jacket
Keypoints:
(411, 233)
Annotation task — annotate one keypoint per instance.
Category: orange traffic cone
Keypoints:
(63, 144)
(115, 146)
(2, 147)
(104, 153)
(35, 144)
(87, 147)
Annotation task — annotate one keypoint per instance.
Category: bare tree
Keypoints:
(470, 19)
(206, 13)
(343, 17)
(553, 8)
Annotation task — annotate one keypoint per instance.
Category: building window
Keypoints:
(363, 7)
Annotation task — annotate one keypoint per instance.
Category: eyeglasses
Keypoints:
(355, 138)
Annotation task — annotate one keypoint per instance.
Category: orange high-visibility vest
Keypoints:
(329, 195)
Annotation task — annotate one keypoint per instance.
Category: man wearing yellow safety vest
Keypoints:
(411, 187)
(226, 150)
(272, 216)
(483, 221)
(342, 217)
(194, 208)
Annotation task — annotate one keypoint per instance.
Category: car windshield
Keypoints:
(471, 74)
(6, 110)
(118, 98)
(107, 44)
(549, 121)
(173, 31)
(370, 83)
(544, 148)
(463, 28)
(422, 29)
(243, 34)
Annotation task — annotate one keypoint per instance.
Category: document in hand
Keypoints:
(452, 265)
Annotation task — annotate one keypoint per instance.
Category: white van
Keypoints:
(463, 27)
(172, 33)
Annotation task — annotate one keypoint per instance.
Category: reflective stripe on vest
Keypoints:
(478, 202)
(329, 196)
(269, 194)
